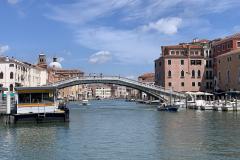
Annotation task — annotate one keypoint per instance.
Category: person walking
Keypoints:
(94, 75)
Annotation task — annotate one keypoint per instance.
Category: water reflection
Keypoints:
(121, 130)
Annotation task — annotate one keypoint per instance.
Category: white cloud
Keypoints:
(236, 28)
(14, 1)
(67, 53)
(165, 25)
(124, 44)
(73, 13)
(4, 49)
(61, 59)
(100, 57)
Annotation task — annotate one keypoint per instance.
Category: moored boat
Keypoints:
(165, 107)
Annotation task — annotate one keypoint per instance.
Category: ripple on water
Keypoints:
(115, 129)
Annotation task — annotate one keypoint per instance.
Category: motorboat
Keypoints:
(181, 104)
(207, 107)
(85, 102)
(165, 107)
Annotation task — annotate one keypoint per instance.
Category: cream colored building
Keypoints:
(15, 73)
(103, 91)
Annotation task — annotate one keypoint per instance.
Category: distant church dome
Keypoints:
(58, 66)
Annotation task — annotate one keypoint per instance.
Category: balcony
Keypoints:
(209, 66)
(209, 77)
(227, 81)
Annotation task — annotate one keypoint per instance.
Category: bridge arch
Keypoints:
(153, 90)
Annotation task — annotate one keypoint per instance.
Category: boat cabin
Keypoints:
(36, 99)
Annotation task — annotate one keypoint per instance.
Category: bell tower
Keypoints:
(42, 59)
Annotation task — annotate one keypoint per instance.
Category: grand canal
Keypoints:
(115, 129)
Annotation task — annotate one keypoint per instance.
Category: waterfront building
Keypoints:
(147, 78)
(56, 73)
(226, 64)
(228, 71)
(181, 67)
(118, 91)
(208, 62)
(14, 73)
(103, 91)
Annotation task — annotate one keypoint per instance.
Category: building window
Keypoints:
(182, 53)
(182, 73)
(159, 63)
(155, 65)
(191, 53)
(238, 56)
(192, 62)
(169, 73)
(206, 53)
(199, 73)
(11, 65)
(229, 59)
(169, 62)
(11, 87)
(193, 84)
(219, 61)
(199, 84)
(218, 48)
(11, 75)
(213, 50)
(169, 84)
(196, 53)
(177, 52)
(182, 61)
(223, 47)
(228, 45)
(238, 44)
(210, 54)
(172, 52)
(199, 62)
(182, 84)
(228, 75)
(1, 75)
(193, 73)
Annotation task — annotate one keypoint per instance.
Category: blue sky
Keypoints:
(113, 37)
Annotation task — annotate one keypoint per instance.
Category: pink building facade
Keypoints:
(181, 68)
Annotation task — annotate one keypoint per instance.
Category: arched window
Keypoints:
(169, 73)
(199, 73)
(11, 87)
(11, 75)
(182, 73)
(193, 73)
(1, 75)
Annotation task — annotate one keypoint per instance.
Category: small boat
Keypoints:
(84, 102)
(164, 107)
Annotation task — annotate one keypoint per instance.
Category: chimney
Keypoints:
(188, 47)
(196, 39)
(7, 59)
(1, 55)
(163, 48)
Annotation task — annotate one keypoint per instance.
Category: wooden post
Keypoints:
(226, 99)
(186, 101)
(218, 100)
(236, 103)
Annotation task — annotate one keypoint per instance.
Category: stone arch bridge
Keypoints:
(152, 90)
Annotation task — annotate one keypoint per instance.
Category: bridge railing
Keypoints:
(106, 77)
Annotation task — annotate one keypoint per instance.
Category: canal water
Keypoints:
(115, 129)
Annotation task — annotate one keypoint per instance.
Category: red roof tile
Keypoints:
(229, 37)
(147, 75)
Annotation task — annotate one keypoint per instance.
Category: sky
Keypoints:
(112, 37)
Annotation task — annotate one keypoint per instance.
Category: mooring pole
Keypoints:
(236, 102)
(8, 107)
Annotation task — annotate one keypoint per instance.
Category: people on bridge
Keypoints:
(94, 75)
